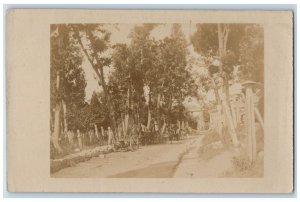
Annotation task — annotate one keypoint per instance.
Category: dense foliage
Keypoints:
(150, 79)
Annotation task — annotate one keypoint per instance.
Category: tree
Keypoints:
(164, 69)
(127, 82)
(150, 76)
(144, 51)
(252, 57)
(120, 84)
(174, 81)
(67, 82)
(220, 40)
(94, 41)
(99, 113)
(252, 53)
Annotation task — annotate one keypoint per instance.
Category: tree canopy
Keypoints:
(150, 79)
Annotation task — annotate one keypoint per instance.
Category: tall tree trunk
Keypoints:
(163, 127)
(220, 112)
(170, 104)
(126, 117)
(98, 68)
(64, 106)
(96, 130)
(149, 118)
(102, 132)
(126, 123)
(149, 111)
(158, 101)
(56, 132)
(233, 112)
(129, 114)
(123, 126)
(108, 102)
(215, 88)
(157, 108)
(223, 31)
(52, 121)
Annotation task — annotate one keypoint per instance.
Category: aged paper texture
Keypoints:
(165, 101)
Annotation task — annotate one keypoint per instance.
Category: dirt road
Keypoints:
(148, 161)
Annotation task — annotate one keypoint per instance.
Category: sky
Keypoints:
(119, 34)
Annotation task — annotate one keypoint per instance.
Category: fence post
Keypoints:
(102, 132)
(238, 113)
(230, 125)
(233, 111)
(96, 130)
(250, 117)
(79, 139)
(260, 119)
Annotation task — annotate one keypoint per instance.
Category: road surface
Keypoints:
(157, 161)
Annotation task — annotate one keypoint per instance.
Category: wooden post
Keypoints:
(163, 128)
(91, 136)
(102, 132)
(79, 139)
(96, 131)
(233, 112)
(230, 125)
(64, 107)
(126, 123)
(260, 119)
(210, 121)
(249, 108)
(238, 114)
(183, 128)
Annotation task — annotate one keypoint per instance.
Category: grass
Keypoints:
(242, 167)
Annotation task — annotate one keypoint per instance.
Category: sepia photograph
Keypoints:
(157, 100)
(149, 101)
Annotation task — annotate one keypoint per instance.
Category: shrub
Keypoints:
(241, 163)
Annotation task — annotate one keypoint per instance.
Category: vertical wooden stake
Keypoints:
(230, 125)
(96, 131)
(102, 132)
(238, 115)
(260, 119)
(233, 112)
(79, 139)
(250, 124)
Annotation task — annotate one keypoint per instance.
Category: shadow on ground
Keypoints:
(159, 170)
